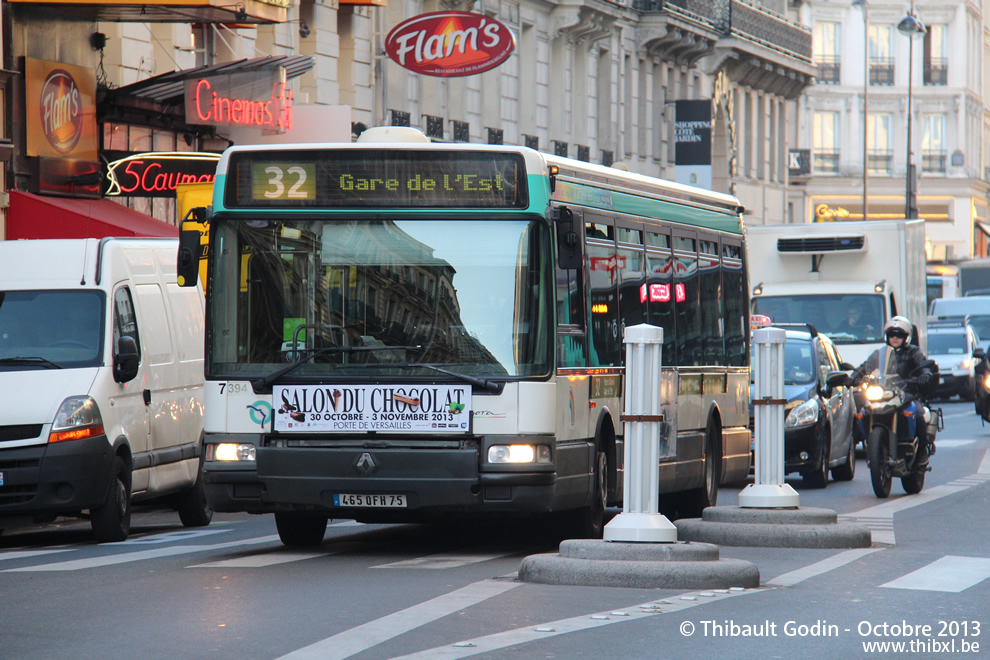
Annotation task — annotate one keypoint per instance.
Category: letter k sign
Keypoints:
(794, 160)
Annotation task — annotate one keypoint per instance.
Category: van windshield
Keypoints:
(51, 329)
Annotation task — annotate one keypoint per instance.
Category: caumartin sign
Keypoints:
(156, 174)
(450, 43)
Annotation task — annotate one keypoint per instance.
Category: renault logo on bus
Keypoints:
(365, 465)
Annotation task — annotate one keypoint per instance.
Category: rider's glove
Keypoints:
(924, 380)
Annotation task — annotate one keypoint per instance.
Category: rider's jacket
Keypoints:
(908, 361)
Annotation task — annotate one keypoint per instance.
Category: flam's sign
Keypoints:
(450, 43)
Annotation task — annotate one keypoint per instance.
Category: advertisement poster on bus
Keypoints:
(430, 408)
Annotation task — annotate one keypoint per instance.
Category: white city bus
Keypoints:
(416, 331)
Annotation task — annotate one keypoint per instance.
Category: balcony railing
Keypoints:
(933, 161)
(738, 18)
(829, 68)
(882, 72)
(937, 72)
(880, 161)
(826, 161)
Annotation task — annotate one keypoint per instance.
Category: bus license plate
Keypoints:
(376, 501)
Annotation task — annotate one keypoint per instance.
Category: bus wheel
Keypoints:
(693, 502)
(300, 529)
(589, 522)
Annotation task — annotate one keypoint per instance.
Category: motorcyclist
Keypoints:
(910, 362)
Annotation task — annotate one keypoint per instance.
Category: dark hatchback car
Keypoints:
(819, 413)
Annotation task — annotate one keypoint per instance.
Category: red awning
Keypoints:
(36, 216)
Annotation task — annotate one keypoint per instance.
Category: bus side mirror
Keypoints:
(187, 263)
(569, 255)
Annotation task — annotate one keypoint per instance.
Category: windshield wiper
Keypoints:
(493, 386)
(31, 360)
(266, 381)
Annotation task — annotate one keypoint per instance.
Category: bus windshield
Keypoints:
(381, 296)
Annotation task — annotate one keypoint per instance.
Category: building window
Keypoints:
(494, 136)
(532, 141)
(434, 126)
(583, 153)
(936, 56)
(559, 148)
(400, 118)
(881, 55)
(462, 131)
(880, 154)
(933, 152)
(826, 142)
(826, 52)
(607, 157)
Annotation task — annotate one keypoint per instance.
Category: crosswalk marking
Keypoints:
(264, 559)
(823, 566)
(952, 574)
(355, 640)
(527, 634)
(111, 560)
(23, 554)
(443, 560)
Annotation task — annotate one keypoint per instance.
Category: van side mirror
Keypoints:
(979, 353)
(125, 360)
(569, 255)
(190, 248)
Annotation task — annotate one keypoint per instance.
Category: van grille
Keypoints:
(19, 432)
(17, 494)
(821, 244)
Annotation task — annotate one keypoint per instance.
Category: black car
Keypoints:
(819, 414)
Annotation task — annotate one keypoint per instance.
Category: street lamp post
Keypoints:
(910, 26)
(864, 4)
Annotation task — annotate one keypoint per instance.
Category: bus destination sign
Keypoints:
(375, 179)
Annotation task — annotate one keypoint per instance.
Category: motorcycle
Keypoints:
(891, 415)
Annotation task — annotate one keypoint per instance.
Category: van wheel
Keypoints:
(194, 511)
(300, 529)
(111, 521)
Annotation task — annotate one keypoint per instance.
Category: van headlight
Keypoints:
(802, 415)
(77, 418)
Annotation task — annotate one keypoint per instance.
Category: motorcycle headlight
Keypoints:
(986, 382)
(874, 393)
(802, 415)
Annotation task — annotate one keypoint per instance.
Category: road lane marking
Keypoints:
(363, 637)
(265, 559)
(22, 554)
(952, 574)
(443, 560)
(823, 566)
(111, 560)
(952, 444)
(542, 631)
(155, 539)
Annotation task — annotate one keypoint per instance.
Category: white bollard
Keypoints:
(640, 520)
(768, 490)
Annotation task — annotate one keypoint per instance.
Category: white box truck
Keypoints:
(845, 278)
(101, 369)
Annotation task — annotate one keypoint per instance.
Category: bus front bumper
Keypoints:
(432, 481)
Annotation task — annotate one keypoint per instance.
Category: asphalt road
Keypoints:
(231, 590)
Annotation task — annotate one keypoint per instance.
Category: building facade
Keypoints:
(593, 79)
(888, 95)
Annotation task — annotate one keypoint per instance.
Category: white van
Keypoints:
(101, 369)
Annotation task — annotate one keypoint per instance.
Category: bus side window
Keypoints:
(687, 298)
(734, 306)
(571, 334)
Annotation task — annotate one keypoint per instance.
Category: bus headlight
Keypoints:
(231, 451)
(803, 415)
(519, 454)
